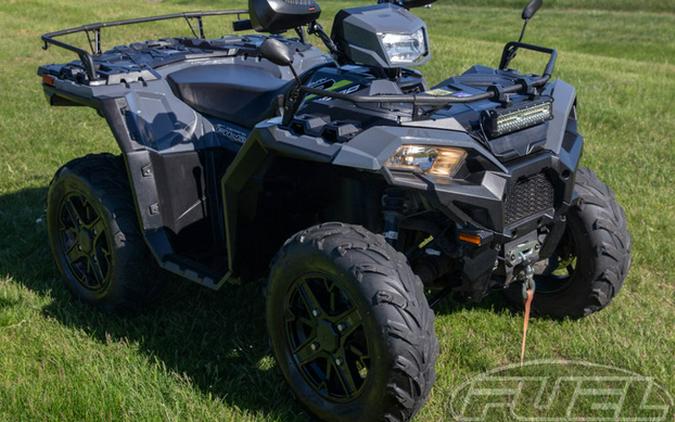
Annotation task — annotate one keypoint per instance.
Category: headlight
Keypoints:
(435, 161)
(404, 49)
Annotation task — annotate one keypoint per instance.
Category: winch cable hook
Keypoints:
(528, 296)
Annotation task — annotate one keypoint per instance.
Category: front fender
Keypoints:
(562, 137)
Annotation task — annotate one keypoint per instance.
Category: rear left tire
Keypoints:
(94, 235)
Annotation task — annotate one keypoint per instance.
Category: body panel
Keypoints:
(198, 125)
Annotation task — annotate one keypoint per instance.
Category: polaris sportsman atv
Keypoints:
(372, 194)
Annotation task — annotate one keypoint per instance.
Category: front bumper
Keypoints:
(513, 203)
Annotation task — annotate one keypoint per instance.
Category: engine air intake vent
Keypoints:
(529, 196)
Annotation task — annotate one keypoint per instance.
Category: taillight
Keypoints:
(48, 80)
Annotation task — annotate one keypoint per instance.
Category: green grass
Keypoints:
(204, 356)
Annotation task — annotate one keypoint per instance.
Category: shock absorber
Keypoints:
(393, 208)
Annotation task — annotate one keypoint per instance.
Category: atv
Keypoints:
(373, 195)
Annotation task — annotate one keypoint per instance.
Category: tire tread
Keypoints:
(409, 325)
(106, 176)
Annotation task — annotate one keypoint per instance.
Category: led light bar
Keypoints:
(499, 122)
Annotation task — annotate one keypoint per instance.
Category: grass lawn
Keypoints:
(204, 356)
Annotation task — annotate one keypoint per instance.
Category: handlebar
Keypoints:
(494, 91)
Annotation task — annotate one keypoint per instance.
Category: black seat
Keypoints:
(241, 94)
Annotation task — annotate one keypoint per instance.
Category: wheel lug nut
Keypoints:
(315, 312)
(340, 327)
(338, 361)
(314, 347)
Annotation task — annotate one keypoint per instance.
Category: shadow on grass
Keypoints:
(494, 303)
(217, 340)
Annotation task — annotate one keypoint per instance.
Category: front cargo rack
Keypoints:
(93, 33)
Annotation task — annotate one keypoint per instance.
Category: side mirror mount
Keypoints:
(531, 9)
(528, 12)
(277, 52)
(280, 54)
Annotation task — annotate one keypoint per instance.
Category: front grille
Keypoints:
(529, 196)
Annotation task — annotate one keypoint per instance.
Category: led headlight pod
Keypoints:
(499, 122)
(404, 49)
(435, 161)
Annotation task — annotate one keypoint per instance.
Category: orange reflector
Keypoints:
(48, 80)
(474, 239)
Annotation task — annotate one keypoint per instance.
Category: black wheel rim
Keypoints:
(556, 273)
(84, 243)
(326, 338)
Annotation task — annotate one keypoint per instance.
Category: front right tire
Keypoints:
(350, 326)
(591, 260)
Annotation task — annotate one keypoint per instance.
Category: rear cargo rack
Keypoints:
(93, 33)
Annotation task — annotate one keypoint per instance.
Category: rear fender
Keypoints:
(167, 147)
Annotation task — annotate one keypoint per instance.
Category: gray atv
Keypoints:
(373, 195)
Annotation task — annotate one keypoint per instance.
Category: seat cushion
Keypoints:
(241, 94)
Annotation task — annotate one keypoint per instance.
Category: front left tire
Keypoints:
(350, 326)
